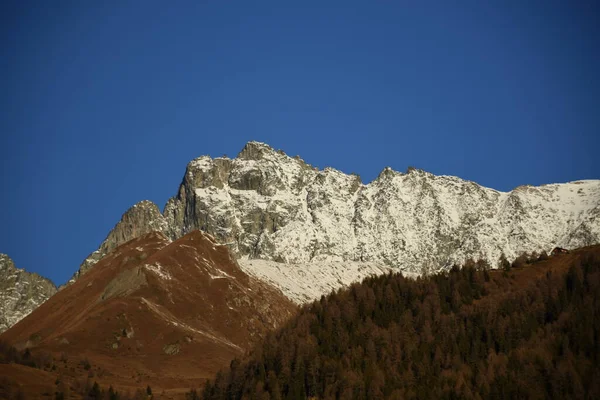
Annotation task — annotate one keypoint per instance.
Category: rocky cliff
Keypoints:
(144, 217)
(20, 292)
(266, 205)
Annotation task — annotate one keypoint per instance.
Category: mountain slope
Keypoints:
(267, 205)
(21, 292)
(156, 312)
(530, 332)
(304, 282)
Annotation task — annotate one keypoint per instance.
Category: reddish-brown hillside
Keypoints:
(154, 313)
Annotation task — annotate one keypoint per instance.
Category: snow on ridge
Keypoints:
(331, 229)
(220, 274)
(158, 269)
(272, 206)
(202, 162)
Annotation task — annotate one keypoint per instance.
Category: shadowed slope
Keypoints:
(526, 332)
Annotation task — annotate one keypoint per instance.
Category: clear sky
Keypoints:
(104, 103)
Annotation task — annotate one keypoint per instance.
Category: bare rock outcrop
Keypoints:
(21, 292)
(144, 217)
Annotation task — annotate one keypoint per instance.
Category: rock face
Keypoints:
(20, 292)
(144, 217)
(266, 205)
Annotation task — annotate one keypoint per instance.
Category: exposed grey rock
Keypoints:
(20, 292)
(266, 205)
(144, 217)
(124, 283)
(270, 206)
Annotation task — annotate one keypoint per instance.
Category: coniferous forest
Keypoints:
(527, 331)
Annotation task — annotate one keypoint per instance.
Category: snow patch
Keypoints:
(305, 282)
(159, 270)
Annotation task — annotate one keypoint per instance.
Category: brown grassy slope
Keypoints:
(154, 313)
(26, 382)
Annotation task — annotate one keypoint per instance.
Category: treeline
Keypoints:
(468, 333)
(10, 355)
(96, 392)
(65, 388)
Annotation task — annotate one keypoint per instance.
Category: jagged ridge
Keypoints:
(21, 292)
(266, 205)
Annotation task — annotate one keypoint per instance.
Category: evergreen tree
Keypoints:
(470, 332)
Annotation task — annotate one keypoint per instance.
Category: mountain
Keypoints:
(527, 332)
(154, 312)
(310, 231)
(21, 292)
(144, 217)
(280, 216)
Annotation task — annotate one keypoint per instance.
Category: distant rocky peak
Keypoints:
(261, 155)
(256, 151)
(201, 162)
(266, 205)
(20, 292)
(387, 173)
(145, 209)
(205, 172)
(142, 218)
(6, 263)
(143, 205)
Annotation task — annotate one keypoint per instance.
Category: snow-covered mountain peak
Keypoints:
(387, 174)
(257, 151)
(267, 205)
(309, 230)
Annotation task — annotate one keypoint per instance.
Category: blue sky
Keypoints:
(104, 103)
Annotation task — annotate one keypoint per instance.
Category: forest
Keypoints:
(65, 387)
(529, 330)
